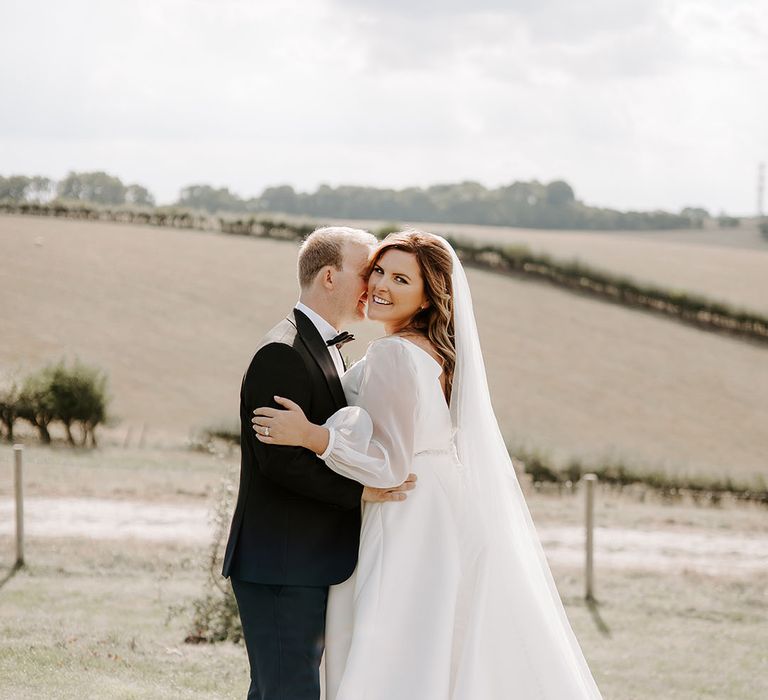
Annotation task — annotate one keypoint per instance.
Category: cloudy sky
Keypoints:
(637, 103)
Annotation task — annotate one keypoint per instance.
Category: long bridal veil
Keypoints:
(515, 639)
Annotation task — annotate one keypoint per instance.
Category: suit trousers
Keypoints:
(284, 629)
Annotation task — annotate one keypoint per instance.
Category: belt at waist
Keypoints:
(449, 450)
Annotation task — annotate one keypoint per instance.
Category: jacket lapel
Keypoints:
(319, 351)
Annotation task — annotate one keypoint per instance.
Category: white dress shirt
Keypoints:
(327, 331)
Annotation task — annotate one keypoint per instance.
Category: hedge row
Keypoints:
(681, 306)
(511, 260)
(699, 487)
(543, 471)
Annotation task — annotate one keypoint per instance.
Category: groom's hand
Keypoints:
(396, 493)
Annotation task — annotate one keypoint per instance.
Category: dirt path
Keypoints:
(704, 551)
(103, 519)
(673, 549)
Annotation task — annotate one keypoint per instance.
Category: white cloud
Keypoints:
(653, 103)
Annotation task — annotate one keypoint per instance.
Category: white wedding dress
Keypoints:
(452, 598)
(390, 628)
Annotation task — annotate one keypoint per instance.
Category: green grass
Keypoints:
(107, 619)
(89, 619)
(675, 637)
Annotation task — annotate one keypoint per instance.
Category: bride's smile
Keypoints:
(395, 289)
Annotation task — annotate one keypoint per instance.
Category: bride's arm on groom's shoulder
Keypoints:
(277, 369)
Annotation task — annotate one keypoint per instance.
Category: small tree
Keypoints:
(97, 187)
(36, 403)
(139, 195)
(9, 405)
(94, 398)
(72, 395)
(211, 199)
(559, 193)
(79, 395)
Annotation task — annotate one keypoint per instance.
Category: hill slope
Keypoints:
(173, 317)
(728, 265)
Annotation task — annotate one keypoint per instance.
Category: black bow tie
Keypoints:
(340, 339)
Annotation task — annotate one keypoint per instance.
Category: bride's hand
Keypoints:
(276, 426)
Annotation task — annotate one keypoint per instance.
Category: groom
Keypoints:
(296, 525)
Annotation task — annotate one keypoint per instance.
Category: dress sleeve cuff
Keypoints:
(331, 440)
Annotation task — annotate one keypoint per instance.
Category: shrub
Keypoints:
(208, 438)
(72, 395)
(215, 616)
(619, 475)
(536, 465)
(9, 405)
(228, 431)
(35, 402)
(79, 395)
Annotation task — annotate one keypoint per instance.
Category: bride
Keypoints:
(452, 597)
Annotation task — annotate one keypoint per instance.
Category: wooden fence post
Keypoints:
(18, 483)
(589, 502)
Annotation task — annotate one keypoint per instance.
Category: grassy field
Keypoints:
(89, 619)
(173, 317)
(92, 617)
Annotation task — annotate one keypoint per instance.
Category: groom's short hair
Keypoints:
(325, 246)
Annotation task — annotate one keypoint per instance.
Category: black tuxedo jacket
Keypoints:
(296, 522)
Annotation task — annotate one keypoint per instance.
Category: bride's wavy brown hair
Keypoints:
(436, 321)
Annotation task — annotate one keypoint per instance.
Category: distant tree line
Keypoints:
(522, 204)
(75, 396)
(21, 188)
(93, 187)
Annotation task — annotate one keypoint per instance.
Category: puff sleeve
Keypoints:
(372, 442)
